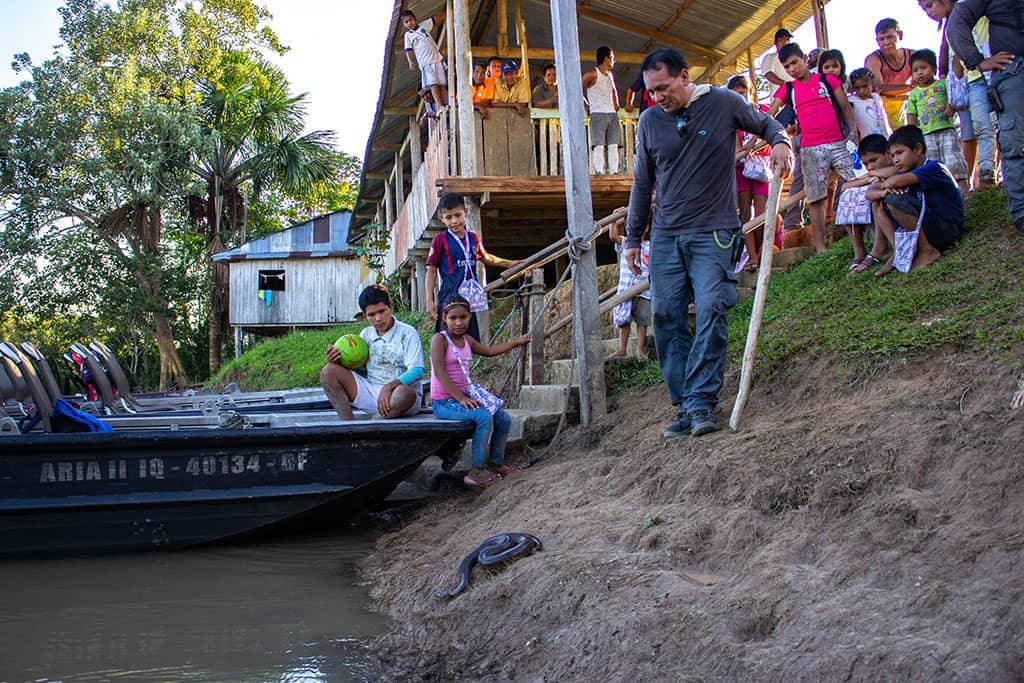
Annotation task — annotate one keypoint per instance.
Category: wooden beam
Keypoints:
(415, 147)
(752, 75)
(587, 327)
(399, 98)
(529, 184)
(641, 30)
(399, 184)
(535, 362)
(547, 55)
(524, 58)
(502, 9)
(820, 26)
(668, 23)
(464, 67)
(386, 146)
(777, 17)
(377, 175)
(399, 111)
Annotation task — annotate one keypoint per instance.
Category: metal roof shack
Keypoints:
(319, 237)
(303, 276)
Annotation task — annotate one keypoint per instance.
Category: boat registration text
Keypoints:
(157, 468)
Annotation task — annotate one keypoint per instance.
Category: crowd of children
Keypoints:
(905, 138)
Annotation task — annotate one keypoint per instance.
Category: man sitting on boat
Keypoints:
(392, 386)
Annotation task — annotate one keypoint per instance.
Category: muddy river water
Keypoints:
(270, 611)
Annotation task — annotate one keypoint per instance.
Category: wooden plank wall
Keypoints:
(418, 208)
(317, 291)
(508, 146)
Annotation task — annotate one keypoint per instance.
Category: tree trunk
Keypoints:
(218, 302)
(172, 371)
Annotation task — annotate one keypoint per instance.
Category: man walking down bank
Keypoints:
(686, 146)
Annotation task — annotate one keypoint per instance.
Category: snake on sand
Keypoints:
(495, 550)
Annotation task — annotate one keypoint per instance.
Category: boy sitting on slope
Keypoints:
(920, 209)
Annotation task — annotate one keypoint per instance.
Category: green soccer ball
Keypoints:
(354, 351)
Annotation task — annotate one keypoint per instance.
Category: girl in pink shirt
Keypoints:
(451, 355)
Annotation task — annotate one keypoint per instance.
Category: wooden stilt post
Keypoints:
(820, 27)
(535, 372)
(399, 184)
(463, 57)
(587, 323)
(420, 266)
(415, 148)
(752, 75)
(524, 48)
(502, 9)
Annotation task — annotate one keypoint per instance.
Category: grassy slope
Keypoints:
(972, 298)
(293, 360)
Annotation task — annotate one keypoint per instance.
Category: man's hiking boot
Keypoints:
(702, 422)
(1019, 224)
(679, 427)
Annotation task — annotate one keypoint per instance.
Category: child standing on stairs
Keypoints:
(454, 396)
(638, 309)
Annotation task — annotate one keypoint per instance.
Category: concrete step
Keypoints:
(747, 280)
(532, 426)
(610, 346)
(528, 427)
(550, 398)
(557, 371)
(786, 258)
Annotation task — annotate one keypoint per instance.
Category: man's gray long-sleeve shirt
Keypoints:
(695, 172)
(1005, 28)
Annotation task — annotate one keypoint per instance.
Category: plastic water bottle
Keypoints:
(858, 165)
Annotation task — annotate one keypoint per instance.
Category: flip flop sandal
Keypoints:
(502, 470)
(868, 261)
(485, 480)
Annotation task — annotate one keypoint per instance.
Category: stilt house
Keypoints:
(516, 187)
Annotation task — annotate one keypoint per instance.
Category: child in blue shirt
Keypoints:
(920, 209)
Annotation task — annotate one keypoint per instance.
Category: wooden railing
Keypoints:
(547, 130)
(419, 205)
(507, 145)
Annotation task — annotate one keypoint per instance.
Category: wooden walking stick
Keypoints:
(760, 294)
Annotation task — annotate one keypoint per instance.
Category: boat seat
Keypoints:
(9, 401)
(43, 404)
(43, 369)
(19, 392)
(73, 369)
(99, 378)
(116, 374)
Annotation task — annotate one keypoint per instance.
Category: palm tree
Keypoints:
(252, 139)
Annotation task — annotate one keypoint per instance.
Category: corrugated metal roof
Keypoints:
(318, 237)
(713, 25)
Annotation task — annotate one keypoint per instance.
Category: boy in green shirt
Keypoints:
(928, 108)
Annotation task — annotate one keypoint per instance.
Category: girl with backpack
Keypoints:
(826, 124)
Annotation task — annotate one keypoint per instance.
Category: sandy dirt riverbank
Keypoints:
(862, 532)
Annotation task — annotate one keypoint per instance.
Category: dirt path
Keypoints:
(866, 533)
